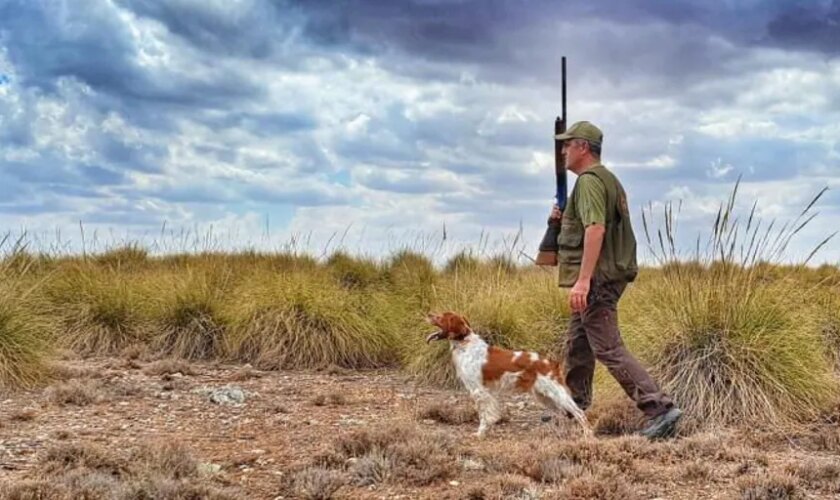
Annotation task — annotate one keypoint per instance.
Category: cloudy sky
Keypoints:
(255, 122)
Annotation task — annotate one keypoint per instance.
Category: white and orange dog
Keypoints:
(487, 370)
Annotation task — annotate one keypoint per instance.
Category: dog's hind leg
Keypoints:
(557, 398)
(489, 411)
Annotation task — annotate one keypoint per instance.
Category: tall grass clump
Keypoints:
(464, 261)
(25, 330)
(413, 276)
(354, 272)
(729, 345)
(187, 312)
(128, 256)
(102, 310)
(308, 320)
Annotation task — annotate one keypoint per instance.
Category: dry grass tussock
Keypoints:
(79, 470)
(102, 310)
(76, 392)
(770, 487)
(187, 312)
(395, 454)
(27, 327)
(307, 320)
(332, 398)
(448, 413)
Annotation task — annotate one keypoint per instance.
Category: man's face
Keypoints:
(573, 151)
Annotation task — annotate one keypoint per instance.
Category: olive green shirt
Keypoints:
(591, 200)
(597, 198)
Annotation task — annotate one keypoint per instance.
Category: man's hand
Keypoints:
(556, 213)
(578, 294)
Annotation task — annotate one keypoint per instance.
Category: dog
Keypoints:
(487, 370)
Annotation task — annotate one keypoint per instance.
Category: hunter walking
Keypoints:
(597, 259)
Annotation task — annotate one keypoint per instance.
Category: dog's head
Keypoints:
(452, 326)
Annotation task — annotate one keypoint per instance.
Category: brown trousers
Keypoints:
(593, 335)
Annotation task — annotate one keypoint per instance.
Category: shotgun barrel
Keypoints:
(548, 248)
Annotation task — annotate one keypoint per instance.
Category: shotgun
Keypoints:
(548, 249)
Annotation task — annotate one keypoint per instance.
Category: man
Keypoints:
(597, 258)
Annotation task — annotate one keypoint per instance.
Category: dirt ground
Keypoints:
(302, 434)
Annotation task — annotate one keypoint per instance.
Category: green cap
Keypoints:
(582, 130)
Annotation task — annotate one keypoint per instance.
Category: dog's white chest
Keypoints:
(469, 357)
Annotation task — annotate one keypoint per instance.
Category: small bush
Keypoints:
(769, 487)
(450, 414)
(156, 486)
(412, 457)
(63, 457)
(818, 474)
(598, 487)
(75, 392)
(373, 468)
(38, 489)
(170, 459)
(697, 471)
(86, 471)
(506, 486)
(317, 483)
(558, 470)
(329, 399)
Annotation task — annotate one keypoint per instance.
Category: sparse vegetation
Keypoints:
(81, 470)
(333, 398)
(450, 414)
(75, 392)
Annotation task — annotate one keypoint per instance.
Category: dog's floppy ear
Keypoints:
(455, 326)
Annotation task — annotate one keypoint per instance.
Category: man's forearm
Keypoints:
(593, 238)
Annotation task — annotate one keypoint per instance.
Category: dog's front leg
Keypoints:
(489, 411)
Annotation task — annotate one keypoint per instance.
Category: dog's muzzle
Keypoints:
(434, 336)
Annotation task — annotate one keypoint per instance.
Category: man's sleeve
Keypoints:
(592, 200)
